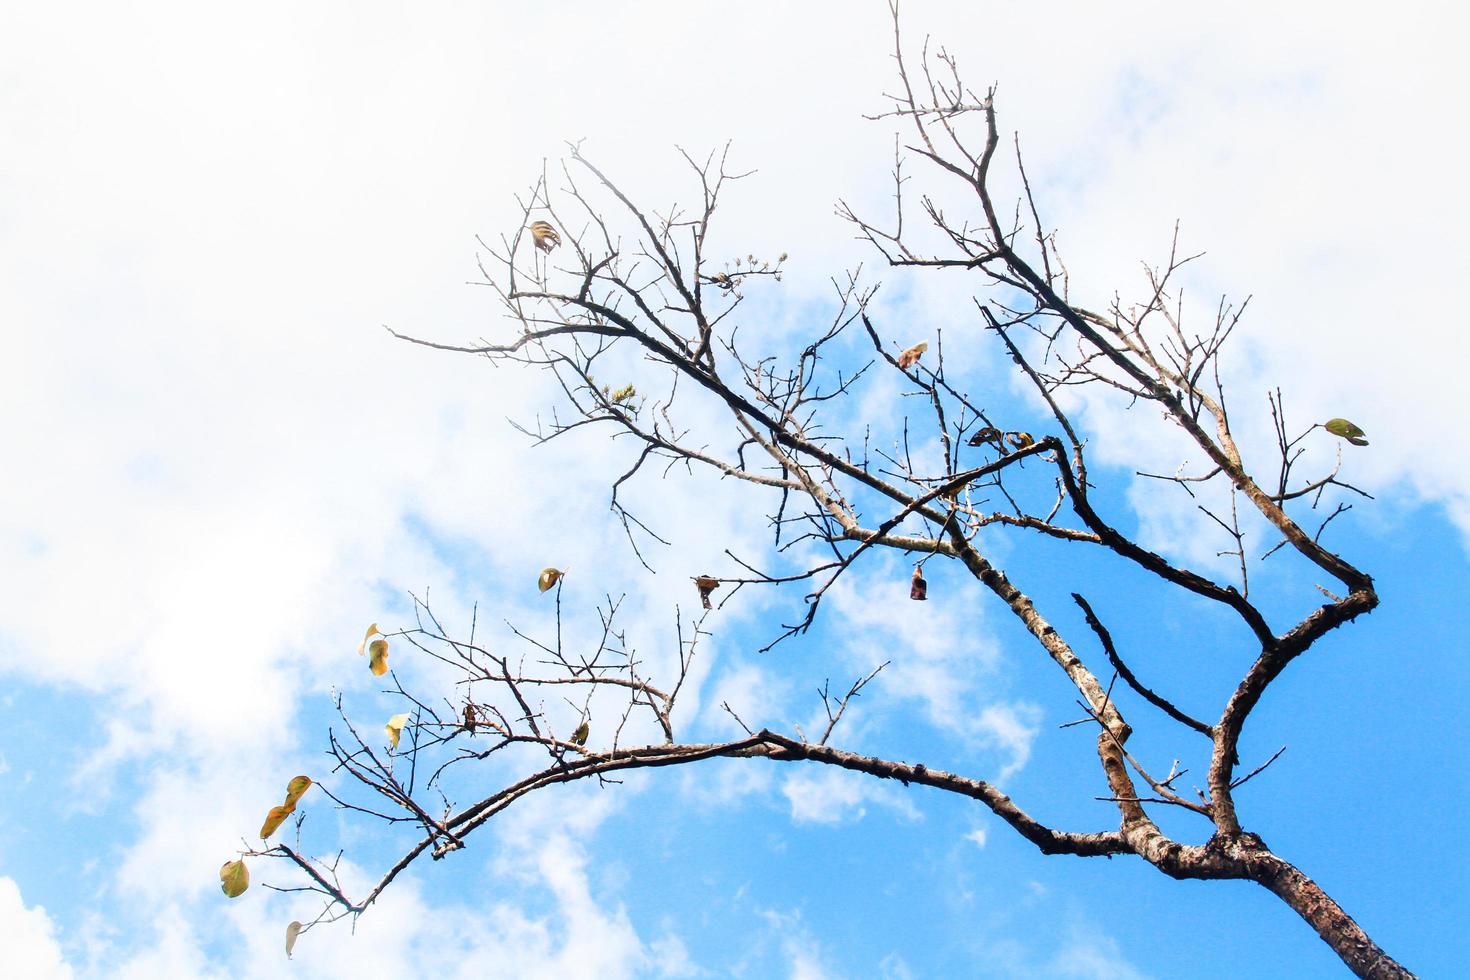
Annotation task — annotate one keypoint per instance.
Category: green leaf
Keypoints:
(1346, 430)
(234, 878)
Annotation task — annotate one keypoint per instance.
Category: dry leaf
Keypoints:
(274, 819)
(1020, 439)
(234, 878)
(295, 788)
(469, 718)
(988, 434)
(706, 584)
(545, 235)
(911, 356)
(580, 735)
(394, 728)
(549, 577)
(378, 657)
(918, 588)
(371, 632)
(292, 931)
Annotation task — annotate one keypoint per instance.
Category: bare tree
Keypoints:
(627, 280)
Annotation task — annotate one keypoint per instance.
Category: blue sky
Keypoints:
(222, 469)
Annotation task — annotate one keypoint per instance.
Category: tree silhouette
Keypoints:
(592, 277)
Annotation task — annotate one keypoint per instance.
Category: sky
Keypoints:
(222, 468)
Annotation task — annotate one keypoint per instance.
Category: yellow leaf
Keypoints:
(371, 632)
(291, 932)
(295, 788)
(378, 657)
(580, 735)
(549, 577)
(394, 728)
(233, 878)
(274, 819)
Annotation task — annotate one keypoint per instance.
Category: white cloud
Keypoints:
(721, 782)
(28, 937)
(1089, 954)
(828, 795)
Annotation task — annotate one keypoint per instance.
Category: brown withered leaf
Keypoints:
(706, 584)
(988, 434)
(545, 235)
(911, 355)
(918, 588)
